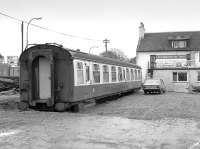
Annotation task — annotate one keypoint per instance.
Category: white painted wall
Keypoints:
(167, 77)
(143, 58)
(197, 58)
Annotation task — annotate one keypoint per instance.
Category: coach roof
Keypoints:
(100, 59)
(76, 54)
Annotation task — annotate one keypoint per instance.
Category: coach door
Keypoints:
(42, 78)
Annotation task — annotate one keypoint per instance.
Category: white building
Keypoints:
(171, 56)
(12, 60)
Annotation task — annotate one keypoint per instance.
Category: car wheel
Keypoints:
(145, 92)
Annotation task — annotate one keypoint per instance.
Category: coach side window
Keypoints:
(87, 71)
(139, 75)
(124, 74)
(136, 76)
(113, 74)
(132, 74)
(120, 74)
(127, 74)
(96, 73)
(105, 73)
(79, 68)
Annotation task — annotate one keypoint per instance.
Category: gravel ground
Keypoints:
(50, 130)
(137, 121)
(151, 107)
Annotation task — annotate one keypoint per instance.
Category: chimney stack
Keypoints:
(141, 30)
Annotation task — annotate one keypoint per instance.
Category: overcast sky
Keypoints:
(117, 20)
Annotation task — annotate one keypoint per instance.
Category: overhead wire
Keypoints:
(48, 29)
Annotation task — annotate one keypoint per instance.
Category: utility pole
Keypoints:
(22, 32)
(106, 41)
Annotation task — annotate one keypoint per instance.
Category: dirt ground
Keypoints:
(137, 121)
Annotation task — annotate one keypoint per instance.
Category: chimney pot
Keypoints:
(141, 30)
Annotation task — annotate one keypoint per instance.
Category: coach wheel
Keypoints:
(22, 106)
(60, 107)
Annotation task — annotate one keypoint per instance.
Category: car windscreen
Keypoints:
(152, 82)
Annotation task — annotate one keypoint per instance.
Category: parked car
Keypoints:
(154, 86)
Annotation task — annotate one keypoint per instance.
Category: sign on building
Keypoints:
(166, 61)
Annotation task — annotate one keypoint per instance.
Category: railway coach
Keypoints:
(62, 78)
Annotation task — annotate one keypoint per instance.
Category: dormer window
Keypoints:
(179, 44)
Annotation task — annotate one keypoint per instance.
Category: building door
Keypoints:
(44, 78)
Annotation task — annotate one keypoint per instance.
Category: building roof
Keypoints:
(154, 42)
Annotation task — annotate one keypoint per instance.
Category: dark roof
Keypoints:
(161, 41)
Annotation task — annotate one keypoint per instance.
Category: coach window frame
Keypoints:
(76, 73)
(120, 73)
(105, 73)
(127, 74)
(87, 72)
(123, 74)
(136, 76)
(132, 74)
(139, 74)
(93, 79)
(116, 77)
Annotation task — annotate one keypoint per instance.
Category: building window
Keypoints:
(113, 73)
(96, 73)
(198, 76)
(179, 44)
(179, 76)
(127, 74)
(105, 73)
(119, 73)
(79, 68)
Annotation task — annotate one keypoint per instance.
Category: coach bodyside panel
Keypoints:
(101, 90)
(63, 79)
